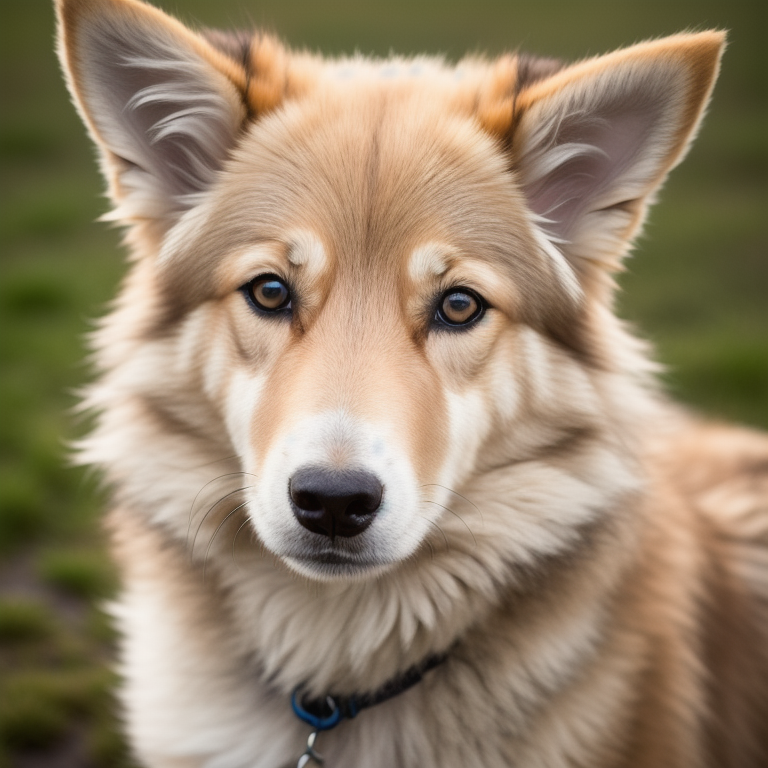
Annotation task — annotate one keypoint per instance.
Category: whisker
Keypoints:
(205, 517)
(455, 493)
(197, 495)
(445, 538)
(234, 541)
(455, 514)
(226, 495)
(218, 528)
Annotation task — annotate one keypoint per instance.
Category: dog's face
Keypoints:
(370, 271)
(400, 297)
(369, 318)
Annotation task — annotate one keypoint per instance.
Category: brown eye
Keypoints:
(269, 293)
(459, 307)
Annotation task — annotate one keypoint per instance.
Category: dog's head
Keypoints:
(356, 274)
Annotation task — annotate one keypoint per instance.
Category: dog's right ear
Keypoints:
(163, 104)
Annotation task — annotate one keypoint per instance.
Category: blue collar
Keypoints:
(327, 712)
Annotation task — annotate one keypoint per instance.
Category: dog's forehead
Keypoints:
(375, 171)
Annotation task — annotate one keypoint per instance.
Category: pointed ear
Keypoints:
(164, 105)
(593, 142)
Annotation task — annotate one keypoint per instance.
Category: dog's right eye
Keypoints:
(268, 293)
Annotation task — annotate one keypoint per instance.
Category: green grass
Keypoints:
(80, 572)
(23, 621)
(696, 286)
(56, 686)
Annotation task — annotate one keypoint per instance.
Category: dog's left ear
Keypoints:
(164, 105)
(592, 143)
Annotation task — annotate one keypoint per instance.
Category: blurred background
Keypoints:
(697, 287)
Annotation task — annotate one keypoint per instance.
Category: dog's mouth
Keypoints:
(334, 558)
(330, 563)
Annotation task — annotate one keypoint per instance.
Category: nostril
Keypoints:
(358, 507)
(335, 502)
(310, 502)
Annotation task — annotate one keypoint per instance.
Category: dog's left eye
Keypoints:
(268, 293)
(459, 307)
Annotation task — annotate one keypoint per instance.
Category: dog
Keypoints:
(392, 486)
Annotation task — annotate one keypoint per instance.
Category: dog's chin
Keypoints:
(332, 565)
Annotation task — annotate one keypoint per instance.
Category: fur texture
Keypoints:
(593, 561)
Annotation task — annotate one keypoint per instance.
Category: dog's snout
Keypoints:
(335, 502)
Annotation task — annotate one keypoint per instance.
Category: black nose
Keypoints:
(335, 502)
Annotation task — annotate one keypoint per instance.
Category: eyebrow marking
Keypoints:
(306, 250)
(429, 260)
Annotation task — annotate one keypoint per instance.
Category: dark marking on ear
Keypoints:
(532, 69)
(496, 102)
(237, 44)
(264, 63)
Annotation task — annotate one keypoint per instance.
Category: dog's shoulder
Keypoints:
(718, 475)
(722, 471)
(704, 570)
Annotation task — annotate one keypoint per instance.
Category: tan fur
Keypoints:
(593, 562)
